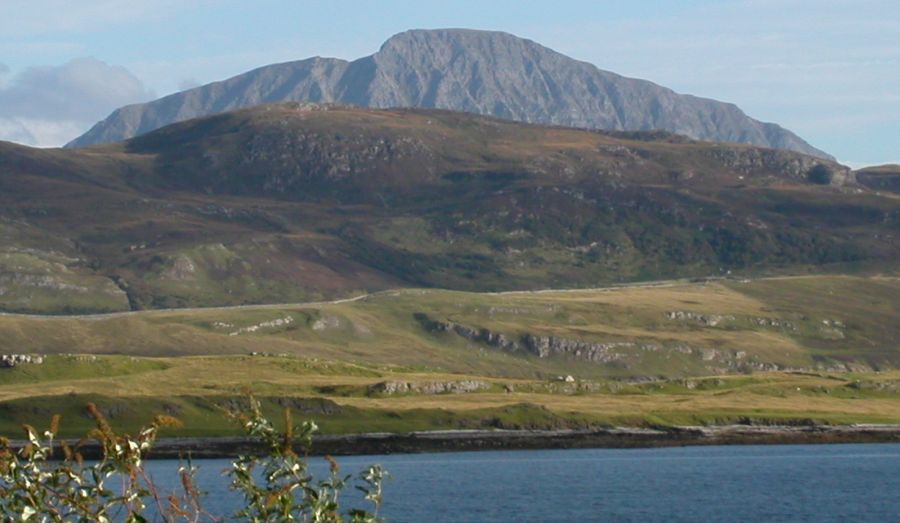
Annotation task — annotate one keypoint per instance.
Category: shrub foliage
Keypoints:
(276, 485)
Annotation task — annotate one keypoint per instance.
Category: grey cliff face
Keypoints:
(490, 73)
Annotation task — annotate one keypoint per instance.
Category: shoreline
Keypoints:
(480, 440)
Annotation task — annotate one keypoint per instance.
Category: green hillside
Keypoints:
(816, 323)
(820, 349)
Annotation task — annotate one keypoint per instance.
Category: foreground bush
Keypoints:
(276, 486)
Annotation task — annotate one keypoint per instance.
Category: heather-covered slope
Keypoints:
(483, 72)
(296, 202)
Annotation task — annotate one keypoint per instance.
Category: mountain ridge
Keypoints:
(482, 72)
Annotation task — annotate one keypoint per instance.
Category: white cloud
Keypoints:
(12, 130)
(84, 88)
(40, 132)
(48, 106)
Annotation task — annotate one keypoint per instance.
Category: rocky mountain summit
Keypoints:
(483, 72)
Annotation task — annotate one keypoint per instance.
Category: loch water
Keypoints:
(803, 483)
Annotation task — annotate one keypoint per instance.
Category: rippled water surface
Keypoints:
(733, 483)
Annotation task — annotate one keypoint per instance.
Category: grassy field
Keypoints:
(785, 350)
(344, 397)
(823, 323)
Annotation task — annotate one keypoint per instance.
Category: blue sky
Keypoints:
(827, 69)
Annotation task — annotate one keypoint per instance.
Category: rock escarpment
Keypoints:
(543, 346)
(627, 354)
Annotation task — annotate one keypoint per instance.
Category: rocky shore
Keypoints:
(476, 440)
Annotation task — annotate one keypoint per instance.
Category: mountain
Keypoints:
(296, 202)
(482, 72)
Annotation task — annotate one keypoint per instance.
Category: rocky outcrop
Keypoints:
(753, 161)
(547, 346)
(493, 339)
(624, 353)
(483, 72)
(773, 322)
(538, 345)
(720, 320)
(326, 322)
(831, 330)
(11, 360)
(428, 387)
(709, 320)
(278, 322)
